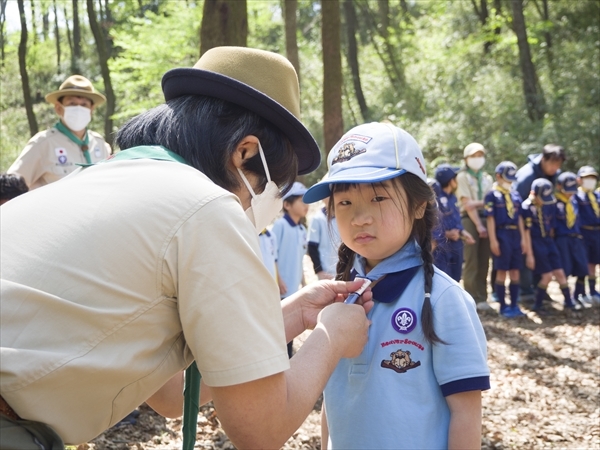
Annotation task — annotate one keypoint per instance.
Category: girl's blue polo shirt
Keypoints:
(393, 395)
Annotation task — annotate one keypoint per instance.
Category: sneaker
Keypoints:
(572, 306)
(585, 301)
(484, 306)
(540, 311)
(516, 311)
(506, 312)
(494, 297)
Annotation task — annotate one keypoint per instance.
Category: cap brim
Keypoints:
(53, 97)
(322, 190)
(188, 81)
(591, 173)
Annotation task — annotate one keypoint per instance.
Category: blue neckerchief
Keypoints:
(399, 269)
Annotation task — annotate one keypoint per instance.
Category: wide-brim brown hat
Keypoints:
(78, 86)
(262, 82)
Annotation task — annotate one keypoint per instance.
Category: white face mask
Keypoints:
(475, 163)
(264, 206)
(77, 117)
(506, 185)
(589, 184)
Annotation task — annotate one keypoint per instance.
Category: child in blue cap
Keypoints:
(539, 213)
(567, 234)
(508, 241)
(589, 215)
(448, 255)
(414, 385)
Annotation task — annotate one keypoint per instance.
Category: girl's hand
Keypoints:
(530, 262)
(495, 248)
(467, 237)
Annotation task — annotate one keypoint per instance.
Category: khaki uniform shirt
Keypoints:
(140, 267)
(467, 187)
(51, 155)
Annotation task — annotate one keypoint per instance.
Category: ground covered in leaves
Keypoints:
(545, 391)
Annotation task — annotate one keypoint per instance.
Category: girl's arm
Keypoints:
(465, 420)
(324, 428)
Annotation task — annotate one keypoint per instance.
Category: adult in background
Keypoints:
(540, 165)
(472, 186)
(54, 153)
(150, 260)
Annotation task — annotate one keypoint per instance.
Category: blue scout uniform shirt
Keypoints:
(531, 216)
(495, 205)
(587, 215)
(393, 395)
(449, 212)
(291, 247)
(268, 250)
(327, 238)
(561, 227)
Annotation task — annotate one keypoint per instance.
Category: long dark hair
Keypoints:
(205, 131)
(418, 193)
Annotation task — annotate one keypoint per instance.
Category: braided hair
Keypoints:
(422, 209)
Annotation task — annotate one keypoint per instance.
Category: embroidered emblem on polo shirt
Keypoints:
(346, 152)
(404, 320)
(61, 153)
(400, 361)
(97, 152)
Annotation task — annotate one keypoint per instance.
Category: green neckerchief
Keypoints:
(479, 176)
(82, 143)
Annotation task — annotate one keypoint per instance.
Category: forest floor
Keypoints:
(545, 391)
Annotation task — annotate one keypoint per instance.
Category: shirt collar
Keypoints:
(287, 217)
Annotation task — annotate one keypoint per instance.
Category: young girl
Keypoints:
(418, 382)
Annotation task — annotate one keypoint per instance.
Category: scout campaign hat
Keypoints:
(507, 170)
(262, 82)
(445, 172)
(370, 153)
(78, 86)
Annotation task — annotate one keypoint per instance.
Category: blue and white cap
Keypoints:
(296, 189)
(568, 181)
(507, 170)
(445, 172)
(544, 190)
(370, 153)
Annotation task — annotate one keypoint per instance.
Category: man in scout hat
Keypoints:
(150, 260)
(52, 154)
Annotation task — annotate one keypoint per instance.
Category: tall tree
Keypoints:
(534, 97)
(33, 22)
(56, 36)
(352, 57)
(333, 125)
(45, 23)
(76, 55)
(224, 22)
(69, 39)
(290, 8)
(33, 126)
(3, 4)
(545, 15)
(103, 60)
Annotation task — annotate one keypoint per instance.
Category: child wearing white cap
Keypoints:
(407, 378)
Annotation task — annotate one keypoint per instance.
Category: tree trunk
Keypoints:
(106, 25)
(33, 126)
(224, 22)
(534, 98)
(332, 72)
(103, 60)
(291, 43)
(76, 57)
(56, 37)
(352, 56)
(384, 15)
(69, 40)
(45, 24)
(33, 22)
(3, 4)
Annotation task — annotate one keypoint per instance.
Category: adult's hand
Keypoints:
(482, 231)
(347, 327)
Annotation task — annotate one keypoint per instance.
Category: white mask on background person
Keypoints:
(266, 205)
(589, 184)
(77, 117)
(506, 185)
(475, 162)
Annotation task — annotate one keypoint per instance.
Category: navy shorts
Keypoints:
(591, 241)
(572, 255)
(546, 255)
(510, 250)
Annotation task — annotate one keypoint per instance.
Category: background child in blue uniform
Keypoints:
(539, 213)
(291, 243)
(448, 255)
(413, 386)
(508, 241)
(323, 243)
(567, 234)
(268, 250)
(589, 215)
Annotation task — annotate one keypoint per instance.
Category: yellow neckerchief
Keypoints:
(593, 201)
(539, 214)
(569, 208)
(510, 207)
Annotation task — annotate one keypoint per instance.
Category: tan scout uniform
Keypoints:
(50, 156)
(476, 256)
(166, 268)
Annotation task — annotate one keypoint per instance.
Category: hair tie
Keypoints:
(427, 295)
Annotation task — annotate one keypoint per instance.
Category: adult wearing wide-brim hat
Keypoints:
(473, 183)
(150, 260)
(56, 152)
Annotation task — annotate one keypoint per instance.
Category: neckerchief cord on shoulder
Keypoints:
(191, 390)
(83, 143)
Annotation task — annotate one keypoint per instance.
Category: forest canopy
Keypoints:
(511, 74)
